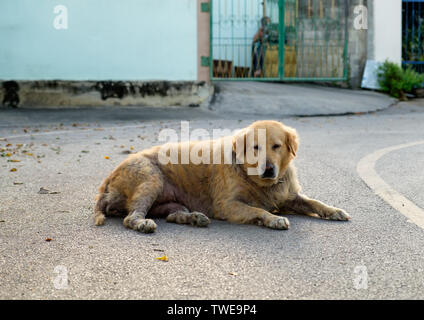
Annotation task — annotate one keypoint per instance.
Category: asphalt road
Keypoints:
(49, 247)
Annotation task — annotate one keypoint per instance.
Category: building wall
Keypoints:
(387, 30)
(105, 40)
(357, 45)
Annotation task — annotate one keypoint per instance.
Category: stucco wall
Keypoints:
(387, 30)
(105, 40)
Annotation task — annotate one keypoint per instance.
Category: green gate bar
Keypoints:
(279, 40)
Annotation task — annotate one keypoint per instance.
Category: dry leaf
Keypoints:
(163, 258)
(106, 157)
(47, 191)
(233, 273)
(13, 170)
(13, 160)
(17, 183)
(49, 239)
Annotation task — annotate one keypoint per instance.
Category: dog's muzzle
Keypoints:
(269, 172)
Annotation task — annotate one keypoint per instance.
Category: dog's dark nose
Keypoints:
(269, 171)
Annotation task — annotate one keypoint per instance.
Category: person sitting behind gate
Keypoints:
(258, 49)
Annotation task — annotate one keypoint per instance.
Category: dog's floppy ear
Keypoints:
(239, 145)
(292, 140)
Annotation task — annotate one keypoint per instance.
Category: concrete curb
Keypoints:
(104, 93)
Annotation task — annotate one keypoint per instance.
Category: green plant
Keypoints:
(397, 81)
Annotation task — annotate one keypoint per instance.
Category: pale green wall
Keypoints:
(105, 40)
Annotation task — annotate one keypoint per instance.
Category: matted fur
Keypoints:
(192, 193)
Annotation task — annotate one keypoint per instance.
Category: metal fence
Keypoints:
(293, 40)
(413, 34)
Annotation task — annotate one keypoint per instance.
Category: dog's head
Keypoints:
(265, 150)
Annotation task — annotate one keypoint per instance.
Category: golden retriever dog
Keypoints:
(236, 189)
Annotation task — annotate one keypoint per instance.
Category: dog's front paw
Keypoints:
(278, 223)
(339, 214)
(197, 219)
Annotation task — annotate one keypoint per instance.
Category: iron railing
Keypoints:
(291, 40)
(413, 34)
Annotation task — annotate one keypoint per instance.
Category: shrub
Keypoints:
(397, 81)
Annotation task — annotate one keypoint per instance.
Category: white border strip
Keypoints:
(367, 172)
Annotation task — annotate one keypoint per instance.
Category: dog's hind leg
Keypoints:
(109, 202)
(178, 213)
(195, 218)
(141, 202)
(99, 210)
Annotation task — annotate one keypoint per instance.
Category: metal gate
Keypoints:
(290, 40)
(413, 34)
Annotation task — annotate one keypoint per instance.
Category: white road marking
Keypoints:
(367, 172)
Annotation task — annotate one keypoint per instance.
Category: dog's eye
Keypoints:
(276, 146)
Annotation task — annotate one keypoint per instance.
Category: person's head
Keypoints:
(265, 21)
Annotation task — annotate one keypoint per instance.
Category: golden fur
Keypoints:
(192, 193)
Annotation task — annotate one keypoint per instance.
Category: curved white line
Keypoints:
(367, 172)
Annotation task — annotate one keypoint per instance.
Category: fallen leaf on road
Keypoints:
(106, 157)
(46, 191)
(17, 183)
(163, 258)
(13, 170)
(49, 239)
(13, 160)
(233, 273)
(160, 250)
